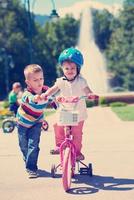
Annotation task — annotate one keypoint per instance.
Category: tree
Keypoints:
(56, 37)
(47, 43)
(120, 52)
(102, 24)
(13, 39)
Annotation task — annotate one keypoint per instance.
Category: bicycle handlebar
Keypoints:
(73, 99)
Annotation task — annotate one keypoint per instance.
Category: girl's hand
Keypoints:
(93, 97)
(60, 99)
(44, 97)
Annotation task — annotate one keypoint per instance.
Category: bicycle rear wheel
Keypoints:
(67, 169)
(8, 126)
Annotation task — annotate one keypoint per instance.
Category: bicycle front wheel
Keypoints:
(67, 169)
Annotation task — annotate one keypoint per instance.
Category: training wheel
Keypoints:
(90, 170)
(86, 170)
(53, 170)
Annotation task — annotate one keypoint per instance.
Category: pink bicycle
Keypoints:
(68, 117)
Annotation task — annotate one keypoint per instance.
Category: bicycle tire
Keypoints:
(8, 126)
(67, 169)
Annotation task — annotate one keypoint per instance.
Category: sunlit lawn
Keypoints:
(49, 112)
(125, 113)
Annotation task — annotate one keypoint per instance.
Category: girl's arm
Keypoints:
(90, 94)
(54, 89)
(36, 98)
(87, 91)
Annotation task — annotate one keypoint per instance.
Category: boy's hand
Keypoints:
(37, 98)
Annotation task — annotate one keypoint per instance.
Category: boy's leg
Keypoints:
(23, 140)
(33, 147)
(77, 136)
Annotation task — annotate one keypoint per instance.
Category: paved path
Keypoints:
(108, 143)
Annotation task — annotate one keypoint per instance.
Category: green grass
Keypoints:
(125, 113)
(0, 123)
(49, 112)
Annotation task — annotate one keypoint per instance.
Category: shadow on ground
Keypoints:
(43, 173)
(97, 183)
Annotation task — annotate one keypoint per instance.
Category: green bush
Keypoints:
(118, 104)
(5, 104)
(103, 101)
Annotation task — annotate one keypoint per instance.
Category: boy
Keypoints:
(13, 97)
(30, 117)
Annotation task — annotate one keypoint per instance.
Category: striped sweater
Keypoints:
(29, 113)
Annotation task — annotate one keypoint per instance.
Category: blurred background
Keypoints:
(36, 31)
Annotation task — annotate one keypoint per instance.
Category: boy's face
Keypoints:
(35, 82)
(69, 69)
(17, 89)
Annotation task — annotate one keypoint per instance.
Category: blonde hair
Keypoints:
(30, 69)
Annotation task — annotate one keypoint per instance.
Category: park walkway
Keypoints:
(108, 143)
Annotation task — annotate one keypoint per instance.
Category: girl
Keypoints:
(71, 84)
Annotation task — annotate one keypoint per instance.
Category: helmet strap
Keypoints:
(65, 78)
(69, 80)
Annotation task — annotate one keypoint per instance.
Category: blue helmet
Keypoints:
(73, 55)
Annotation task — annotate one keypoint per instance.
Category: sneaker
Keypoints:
(32, 174)
(55, 151)
(80, 156)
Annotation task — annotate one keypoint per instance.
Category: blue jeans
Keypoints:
(29, 139)
(14, 107)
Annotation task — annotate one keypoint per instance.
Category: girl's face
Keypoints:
(35, 82)
(69, 69)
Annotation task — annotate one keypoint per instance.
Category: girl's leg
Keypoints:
(59, 134)
(77, 136)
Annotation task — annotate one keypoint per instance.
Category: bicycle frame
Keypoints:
(68, 142)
